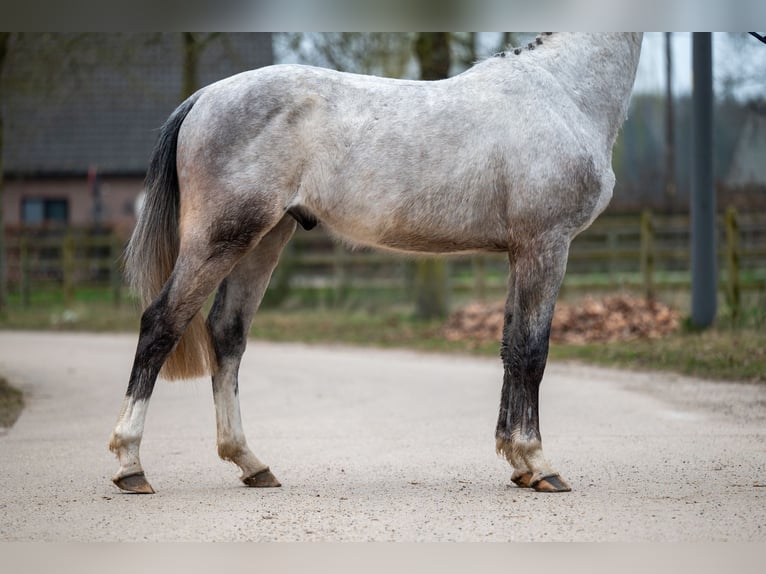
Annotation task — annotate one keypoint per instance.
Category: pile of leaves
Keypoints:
(611, 318)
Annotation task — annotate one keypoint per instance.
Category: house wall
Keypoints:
(118, 196)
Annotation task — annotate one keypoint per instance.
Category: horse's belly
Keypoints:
(383, 227)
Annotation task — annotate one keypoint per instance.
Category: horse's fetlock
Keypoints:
(120, 441)
(115, 443)
(503, 447)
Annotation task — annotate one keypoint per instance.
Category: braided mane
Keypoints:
(530, 46)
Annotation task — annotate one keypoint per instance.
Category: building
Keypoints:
(82, 111)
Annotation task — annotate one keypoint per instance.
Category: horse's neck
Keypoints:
(598, 70)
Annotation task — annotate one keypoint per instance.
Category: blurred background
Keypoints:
(79, 114)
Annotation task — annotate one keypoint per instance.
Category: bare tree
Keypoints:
(380, 53)
(194, 44)
(741, 67)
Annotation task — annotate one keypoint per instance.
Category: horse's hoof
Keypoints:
(262, 479)
(522, 479)
(134, 483)
(550, 483)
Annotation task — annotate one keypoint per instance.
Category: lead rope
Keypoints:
(757, 35)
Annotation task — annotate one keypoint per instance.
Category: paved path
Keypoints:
(377, 445)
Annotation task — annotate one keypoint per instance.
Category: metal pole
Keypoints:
(703, 204)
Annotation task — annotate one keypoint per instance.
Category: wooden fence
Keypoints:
(63, 260)
(648, 252)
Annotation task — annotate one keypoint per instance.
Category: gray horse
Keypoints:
(513, 155)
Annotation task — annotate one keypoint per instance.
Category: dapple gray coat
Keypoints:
(513, 155)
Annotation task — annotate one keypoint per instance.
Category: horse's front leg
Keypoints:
(537, 273)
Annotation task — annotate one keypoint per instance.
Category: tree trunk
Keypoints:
(433, 53)
(194, 45)
(190, 79)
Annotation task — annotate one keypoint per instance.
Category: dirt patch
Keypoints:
(11, 403)
(612, 318)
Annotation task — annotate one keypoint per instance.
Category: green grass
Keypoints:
(720, 353)
(727, 352)
(97, 316)
(53, 294)
(388, 330)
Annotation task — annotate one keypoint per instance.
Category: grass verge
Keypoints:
(725, 353)
(721, 353)
(95, 316)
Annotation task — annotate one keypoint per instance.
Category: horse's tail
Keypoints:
(153, 249)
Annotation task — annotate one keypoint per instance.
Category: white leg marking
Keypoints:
(525, 455)
(127, 434)
(232, 444)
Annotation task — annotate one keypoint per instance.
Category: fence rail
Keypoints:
(646, 251)
(64, 259)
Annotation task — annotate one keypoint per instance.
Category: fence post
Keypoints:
(480, 278)
(732, 262)
(67, 261)
(341, 277)
(279, 286)
(115, 268)
(431, 288)
(612, 245)
(647, 253)
(25, 269)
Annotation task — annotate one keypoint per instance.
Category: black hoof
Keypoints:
(134, 483)
(262, 479)
(551, 483)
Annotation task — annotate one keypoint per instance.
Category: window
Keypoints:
(38, 210)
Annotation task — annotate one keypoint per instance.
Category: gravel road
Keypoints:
(377, 445)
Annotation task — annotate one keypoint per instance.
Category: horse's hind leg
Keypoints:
(236, 303)
(200, 266)
(537, 276)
